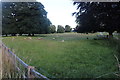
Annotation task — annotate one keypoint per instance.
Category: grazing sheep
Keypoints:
(24, 38)
(53, 38)
(117, 38)
(17, 35)
(39, 38)
(29, 38)
(63, 41)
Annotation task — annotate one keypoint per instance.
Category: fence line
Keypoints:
(17, 67)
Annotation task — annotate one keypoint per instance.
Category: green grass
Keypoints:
(76, 57)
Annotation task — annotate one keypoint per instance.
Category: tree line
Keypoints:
(60, 29)
(27, 18)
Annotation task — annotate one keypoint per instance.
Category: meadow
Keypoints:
(67, 55)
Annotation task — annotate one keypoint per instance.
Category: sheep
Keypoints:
(29, 38)
(39, 38)
(62, 41)
(17, 35)
(24, 38)
(53, 38)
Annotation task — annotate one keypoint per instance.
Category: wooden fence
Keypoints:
(14, 67)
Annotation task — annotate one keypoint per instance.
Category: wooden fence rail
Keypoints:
(14, 67)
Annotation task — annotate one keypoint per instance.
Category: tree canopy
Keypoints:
(97, 17)
(24, 18)
(60, 29)
(52, 29)
(68, 28)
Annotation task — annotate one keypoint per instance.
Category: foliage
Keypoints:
(97, 17)
(68, 28)
(52, 29)
(60, 29)
(24, 18)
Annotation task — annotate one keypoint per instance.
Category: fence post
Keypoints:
(29, 72)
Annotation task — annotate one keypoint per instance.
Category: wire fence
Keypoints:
(14, 67)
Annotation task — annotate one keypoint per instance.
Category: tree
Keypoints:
(97, 17)
(24, 18)
(60, 29)
(67, 28)
(52, 29)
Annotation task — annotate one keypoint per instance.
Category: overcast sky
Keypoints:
(60, 11)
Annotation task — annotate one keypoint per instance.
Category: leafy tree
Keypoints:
(52, 29)
(7, 16)
(68, 28)
(97, 16)
(60, 29)
(24, 18)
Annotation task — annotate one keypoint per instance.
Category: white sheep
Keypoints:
(63, 41)
(39, 38)
(29, 38)
(53, 38)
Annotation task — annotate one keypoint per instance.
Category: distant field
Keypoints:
(69, 55)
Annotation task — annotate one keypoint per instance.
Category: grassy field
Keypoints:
(66, 55)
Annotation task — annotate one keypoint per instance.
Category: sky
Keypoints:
(60, 12)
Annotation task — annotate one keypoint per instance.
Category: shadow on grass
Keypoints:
(104, 42)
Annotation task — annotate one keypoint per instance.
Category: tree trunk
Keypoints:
(110, 35)
(32, 34)
(6, 35)
(20, 34)
(29, 34)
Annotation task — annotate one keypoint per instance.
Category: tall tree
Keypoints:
(98, 16)
(24, 18)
